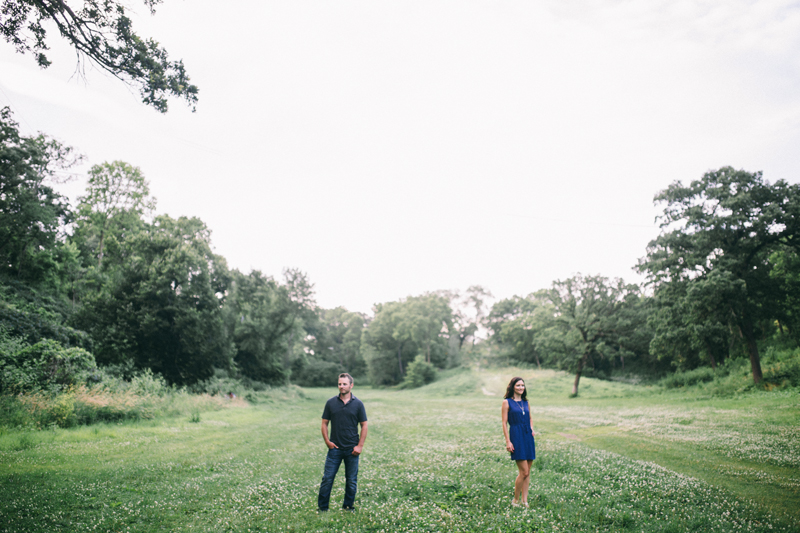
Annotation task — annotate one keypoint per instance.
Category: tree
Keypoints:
(32, 214)
(162, 308)
(728, 223)
(786, 273)
(265, 318)
(117, 196)
(338, 339)
(383, 345)
(477, 296)
(469, 312)
(528, 329)
(101, 31)
(403, 329)
(589, 308)
(689, 321)
(424, 319)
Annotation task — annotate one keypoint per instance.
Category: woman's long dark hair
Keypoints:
(510, 389)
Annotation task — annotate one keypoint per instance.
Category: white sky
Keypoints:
(393, 148)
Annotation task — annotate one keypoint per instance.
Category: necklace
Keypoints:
(521, 406)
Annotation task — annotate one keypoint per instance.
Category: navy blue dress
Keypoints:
(519, 431)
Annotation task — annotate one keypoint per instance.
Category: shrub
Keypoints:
(418, 373)
(691, 377)
(782, 368)
(13, 413)
(220, 386)
(44, 365)
(145, 383)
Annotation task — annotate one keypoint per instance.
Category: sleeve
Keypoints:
(326, 413)
(362, 413)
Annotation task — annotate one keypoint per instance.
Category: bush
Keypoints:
(781, 368)
(13, 413)
(146, 383)
(44, 365)
(221, 384)
(418, 373)
(691, 377)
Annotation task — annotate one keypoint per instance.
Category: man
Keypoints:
(346, 412)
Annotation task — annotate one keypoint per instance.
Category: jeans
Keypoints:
(332, 462)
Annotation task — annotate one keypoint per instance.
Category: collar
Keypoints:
(352, 397)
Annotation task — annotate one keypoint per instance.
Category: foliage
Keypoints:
(419, 373)
(44, 365)
(400, 330)
(718, 234)
(527, 328)
(264, 318)
(117, 196)
(101, 31)
(316, 373)
(85, 405)
(163, 306)
(786, 273)
(692, 377)
(469, 313)
(32, 214)
(781, 371)
(33, 327)
(337, 339)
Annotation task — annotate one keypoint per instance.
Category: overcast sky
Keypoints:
(392, 148)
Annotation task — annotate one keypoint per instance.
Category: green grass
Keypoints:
(619, 457)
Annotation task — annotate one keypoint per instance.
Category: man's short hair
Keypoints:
(346, 375)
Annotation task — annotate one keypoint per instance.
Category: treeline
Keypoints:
(109, 287)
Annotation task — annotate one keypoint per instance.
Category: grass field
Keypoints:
(618, 458)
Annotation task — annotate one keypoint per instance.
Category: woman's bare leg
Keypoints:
(521, 483)
(526, 482)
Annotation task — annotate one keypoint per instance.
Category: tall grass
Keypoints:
(86, 405)
(146, 396)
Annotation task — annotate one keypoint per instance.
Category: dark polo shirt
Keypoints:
(344, 419)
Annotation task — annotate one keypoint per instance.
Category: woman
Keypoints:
(518, 430)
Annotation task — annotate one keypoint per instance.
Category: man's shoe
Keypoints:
(348, 509)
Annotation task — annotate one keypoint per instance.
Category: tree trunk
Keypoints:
(100, 251)
(581, 363)
(400, 357)
(622, 360)
(711, 356)
(538, 364)
(755, 361)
